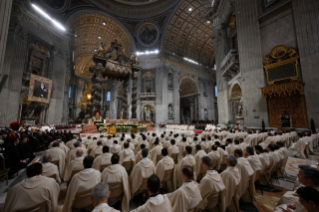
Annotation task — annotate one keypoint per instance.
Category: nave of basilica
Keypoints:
(159, 105)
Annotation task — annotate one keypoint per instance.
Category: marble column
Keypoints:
(13, 66)
(307, 32)
(251, 63)
(134, 95)
(176, 99)
(124, 104)
(5, 11)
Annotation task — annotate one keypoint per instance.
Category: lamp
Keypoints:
(89, 96)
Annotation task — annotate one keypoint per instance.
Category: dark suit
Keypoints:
(42, 93)
(26, 152)
(12, 158)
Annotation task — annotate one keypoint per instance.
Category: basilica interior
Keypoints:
(203, 70)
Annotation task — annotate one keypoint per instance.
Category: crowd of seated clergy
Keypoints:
(199, 173)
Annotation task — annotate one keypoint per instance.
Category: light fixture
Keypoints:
(89, 96)
(191, 61)
(208, 22)
(57, 24)
(156, 51)
(75, 35)
(99, 37)
(104, 23)
(190, 9)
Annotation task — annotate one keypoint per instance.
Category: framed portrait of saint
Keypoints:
(40, 89)
(279, 51)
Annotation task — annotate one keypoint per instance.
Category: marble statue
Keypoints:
(148, 114)
(239, 110)
(170, 81)
(285, 120)
(170, 111)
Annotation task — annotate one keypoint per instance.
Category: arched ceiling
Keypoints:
(188, 87)
(188, 33)
(88, 28)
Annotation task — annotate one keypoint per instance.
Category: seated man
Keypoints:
(198, 160)
(83, 181)
(223, 154)
(156, 202)
(12, 157)
(210, 187)
(127, 154)
(103, 159)
(25, 150)
(308, 177)
(143, 169)
(253, 161)
(230, 146)
(117, 173)
(231, 178)
(72, 154)
(50, 169)
(187, 197)
(96, 151)
(33, 190)
(58, 155)
(116, 148)
(181, 146)
(297, 149)
(166, 163)
(156, 151)
(75, 165)
(100, 197)
(264, 160)
(188, 160)
(173, 149)
(284, 151)
(139, 156)
(214, 157)
(309, 198)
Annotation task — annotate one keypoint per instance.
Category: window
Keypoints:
(215, 90)
(108, 96)
(70, 92)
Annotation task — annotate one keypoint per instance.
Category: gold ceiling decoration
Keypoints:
(88, 28)
(188, 87)
(188, 33)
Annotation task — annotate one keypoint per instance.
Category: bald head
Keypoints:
(47, 157)
(79, 153)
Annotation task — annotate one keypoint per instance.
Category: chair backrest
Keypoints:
(96, 155)
(213, 200)
(158, 158)
(55, 162)
(104, 166)
(128, 165)
(74, 172)
(116, 189)
(168, 175)
(41, 207)
(2, 163)
(143, 185)
(82, 199)
(175, 156)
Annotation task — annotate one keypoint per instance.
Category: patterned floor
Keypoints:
(268, 201)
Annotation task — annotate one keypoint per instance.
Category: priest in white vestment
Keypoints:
(284, 151)
(109, 141)
(116, 148)
(70, 143)
(75, 165)
(83, 181)
(143, 141)
(187, 197)
(104, 159)
(214, 156)
(210, 187)
(139, 156)
(230, 146)
(298, 148)
(156, 152)
(127, 154)
(273, 161)
(198, 161)
(188, 160)
(231, 178)
(173, 149)
(50, 169)
(96, 151)
(157, 202)
(33, 190)
(58, 155)
(142, 170)
(166, 163)
(100, 197)
(254, 163)
(116, 173)
(72, 153)
(181, 147)
(264, 160)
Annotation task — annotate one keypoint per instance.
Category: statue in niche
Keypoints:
(148, 87)
(186, 116)
(170, 111)
(285, 120)
(148, 114)
(170, 81)
(239, 112)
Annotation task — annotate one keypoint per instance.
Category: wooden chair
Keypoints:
(158, 158)
(143, 187)
(41, 207)
(117, 191)
(103, 167)
(128, 165)
(82, 199)
(97, 155)
(74, 172)
(175, 157)
(168, 175)
(4, 172)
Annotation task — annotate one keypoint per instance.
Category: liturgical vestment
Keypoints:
(33, 191)
(158, 203)
(117, 173)
(210, 188)
(215, 158)
(82, 181)
(76, 164)
(188, 160)
(198, 161)
(155, 152)
(166, 163)
(58, 155)
(186, 198)
(231, 178)
(142, 170)
(104, 207)
(127, 155)
(51, 170)
(247, 178)
(72, 155)
(96, 151)
(102, 160)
